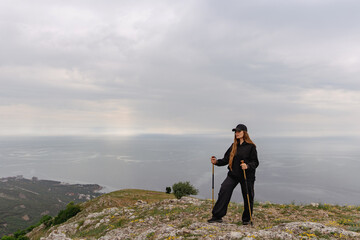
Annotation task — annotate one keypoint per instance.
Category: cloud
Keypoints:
(179, 67)
(330, 99)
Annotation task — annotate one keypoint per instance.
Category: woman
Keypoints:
(242, 149)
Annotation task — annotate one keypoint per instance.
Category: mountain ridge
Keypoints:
(144, 214)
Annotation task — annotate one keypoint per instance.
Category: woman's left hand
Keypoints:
(244, 166)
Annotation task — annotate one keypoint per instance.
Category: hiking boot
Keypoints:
(245, 223)
(215, 220)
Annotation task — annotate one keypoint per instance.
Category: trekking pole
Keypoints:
(247, 194)
(212, 185)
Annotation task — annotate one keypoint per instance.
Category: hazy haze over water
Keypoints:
(303, 170)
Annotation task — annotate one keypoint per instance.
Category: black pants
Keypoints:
(226, 190)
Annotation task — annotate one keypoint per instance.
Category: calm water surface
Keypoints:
(303, 170)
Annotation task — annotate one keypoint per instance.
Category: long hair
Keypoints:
(234, 147)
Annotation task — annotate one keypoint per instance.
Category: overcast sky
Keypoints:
(284, 68)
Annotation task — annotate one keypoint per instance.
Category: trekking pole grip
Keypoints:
(242, 161)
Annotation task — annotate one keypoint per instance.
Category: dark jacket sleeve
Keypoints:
(253, 161)
(225, 160)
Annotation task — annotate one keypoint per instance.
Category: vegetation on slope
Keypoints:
(155, 215)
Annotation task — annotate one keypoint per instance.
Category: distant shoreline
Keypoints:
(61, 182)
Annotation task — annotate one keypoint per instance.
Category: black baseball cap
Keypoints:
(240, 127)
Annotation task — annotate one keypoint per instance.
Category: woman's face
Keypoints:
(239, 134)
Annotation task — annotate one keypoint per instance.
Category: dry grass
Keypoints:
(124, 198)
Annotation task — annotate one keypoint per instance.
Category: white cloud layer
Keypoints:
(284, 68)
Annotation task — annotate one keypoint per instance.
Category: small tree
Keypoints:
(46, 220)
(168, 190)
(70, 211)
(181, 189)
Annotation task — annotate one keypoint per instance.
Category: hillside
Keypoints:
(24, 201)
(141, 214)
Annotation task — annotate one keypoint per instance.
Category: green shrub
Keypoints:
(70, 211)
(181, 189)
(19, 233)
(8, 238)
(29, 229)
(20, 237)
(46, 220)
(168, 190)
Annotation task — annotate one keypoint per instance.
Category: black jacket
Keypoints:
(245, 151)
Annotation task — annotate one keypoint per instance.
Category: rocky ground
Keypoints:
(130, 216)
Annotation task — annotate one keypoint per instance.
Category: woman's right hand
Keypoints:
(213, 160)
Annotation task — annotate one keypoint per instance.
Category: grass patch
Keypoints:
(321, 235)
(355, 228)
(185, 223)
(256, 204)
(150, 235)
(324, 206)
(125, 198)
(95, 232)
(349, 222)
(80, 223)
(120, 223)
(240, 209)
(259, 215)
(281, 220)
(267, 205)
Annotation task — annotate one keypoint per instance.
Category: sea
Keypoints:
(298, 170)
